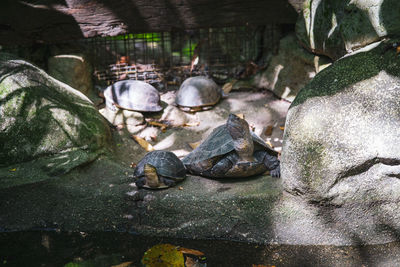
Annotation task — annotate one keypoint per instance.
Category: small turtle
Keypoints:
(133, 95)
(159, 169)
(198, 93)
(232, 150)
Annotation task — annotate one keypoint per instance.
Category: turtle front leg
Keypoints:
(223, 166)
(272, 163)
(276, 172)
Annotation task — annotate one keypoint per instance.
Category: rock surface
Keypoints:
(73, 70)
(290, 70)
(339, 147)
(47, 127)
(335, 28)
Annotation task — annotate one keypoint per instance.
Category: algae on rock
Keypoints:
(47, 128)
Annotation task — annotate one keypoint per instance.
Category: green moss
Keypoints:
(346, 72)
(313, 157)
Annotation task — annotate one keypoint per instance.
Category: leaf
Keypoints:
(240, 115)
(268, 131)
(143, 143)
(282, 127)
(124, 264)
(191, 124)
(163, 255)
(269, 143)
(227, 87)
(13, 170)
(163, 126)
(194, 145)
(191, 251)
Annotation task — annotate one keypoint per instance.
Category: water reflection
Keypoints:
(107, 249)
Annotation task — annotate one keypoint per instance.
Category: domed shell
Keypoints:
(197, 92)
(133, 95)
(166, 163)
(219, 143)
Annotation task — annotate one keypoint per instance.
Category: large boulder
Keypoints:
(342, 130)
(340, 157)
(334, 28)
(73, 70)
(46, 127)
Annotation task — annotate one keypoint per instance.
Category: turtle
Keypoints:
(133, 95)
(198, 93)
(159, 169)
(232, 150)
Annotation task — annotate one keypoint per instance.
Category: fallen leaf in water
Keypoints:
(282, 128)
(163, 255)
(194, 145)
(143, 143)
(13, 170)
(180, 188)
(268, 131)
(191, 251)
(124, 264)
(191, 124)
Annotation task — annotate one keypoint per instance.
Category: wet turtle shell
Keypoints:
(133, 95)
(198, 93)
(169, 167)
(220, 144)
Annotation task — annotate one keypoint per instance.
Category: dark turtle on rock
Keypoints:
(133, 95)
(198, 93)
(159, 169)
(232, 150)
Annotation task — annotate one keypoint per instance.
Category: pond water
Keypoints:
(49, 248)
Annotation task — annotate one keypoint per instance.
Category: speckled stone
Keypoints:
(343, 126)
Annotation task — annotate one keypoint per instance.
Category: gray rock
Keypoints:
(290, 70)
(46, 127)
(334, 28)
(340, 141)
(73, 70)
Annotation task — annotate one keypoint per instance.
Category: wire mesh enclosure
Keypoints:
(167, 56)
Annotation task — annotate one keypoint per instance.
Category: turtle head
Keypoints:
(239, 130)
(151, 176)
(237, 126)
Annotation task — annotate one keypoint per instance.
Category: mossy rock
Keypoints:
(341, 130)
(335, 28)
(46, 127)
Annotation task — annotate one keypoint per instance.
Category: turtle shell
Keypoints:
(198, 91)
(133, 95)
(166, 163)
(219, 143)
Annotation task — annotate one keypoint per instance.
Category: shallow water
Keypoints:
(49, 248)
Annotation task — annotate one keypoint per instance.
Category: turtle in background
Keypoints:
(159, 169)
(133, 95)
(232, 150)
(198, 93)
